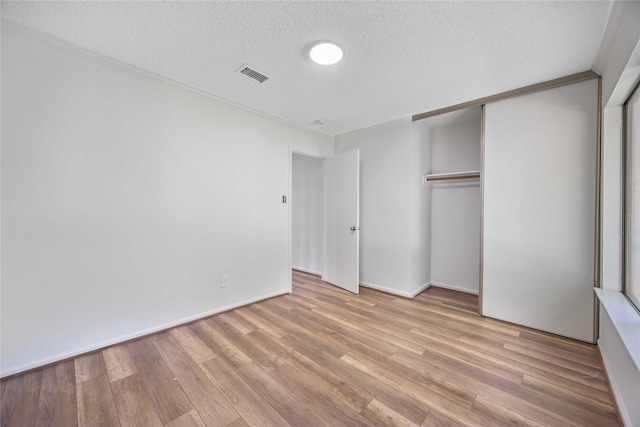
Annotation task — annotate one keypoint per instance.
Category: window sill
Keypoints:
(625, 319)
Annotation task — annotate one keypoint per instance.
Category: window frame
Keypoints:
(627, 199)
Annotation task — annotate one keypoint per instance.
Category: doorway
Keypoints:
(324, 217)
(307, 213)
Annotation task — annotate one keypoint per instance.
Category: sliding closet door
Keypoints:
(539, 209)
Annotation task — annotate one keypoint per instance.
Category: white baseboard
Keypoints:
(454, 288)
(306, 270)
(12, 370)
(395, 291)
(420, 289)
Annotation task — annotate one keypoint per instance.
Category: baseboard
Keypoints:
(306, 270)
(14, 370)
(454, 288)
(395, 291)
(622, 410)
(421, 289)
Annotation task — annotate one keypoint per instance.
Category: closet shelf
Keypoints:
(451, 176)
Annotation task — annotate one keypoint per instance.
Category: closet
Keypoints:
(532, 215)
(453, 181)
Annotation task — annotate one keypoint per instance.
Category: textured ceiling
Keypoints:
(401, 58)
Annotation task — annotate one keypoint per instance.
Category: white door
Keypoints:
(342, 221)
(540, 154)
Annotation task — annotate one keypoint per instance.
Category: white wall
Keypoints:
(622, 370)
(398, 231)
(455, 207)
(619, 64)
(125, 198)
(307, 207)
(390, 191)
(456, 147)
(620, 323)
(385, 259)
(615, 53)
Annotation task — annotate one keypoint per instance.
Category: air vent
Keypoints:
(250, 72)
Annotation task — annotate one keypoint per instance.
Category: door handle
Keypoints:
(354, 228)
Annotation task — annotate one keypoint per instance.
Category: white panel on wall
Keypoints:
(125, 198)
(539, 209)
(307, 218)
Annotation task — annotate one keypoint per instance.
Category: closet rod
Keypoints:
(452, 176)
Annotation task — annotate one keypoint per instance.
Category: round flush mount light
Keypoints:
(326, 53)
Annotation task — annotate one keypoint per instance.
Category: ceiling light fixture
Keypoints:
(326, 53)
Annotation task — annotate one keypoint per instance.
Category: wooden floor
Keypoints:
(322, 356)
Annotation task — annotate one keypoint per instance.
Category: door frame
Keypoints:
(290, 203)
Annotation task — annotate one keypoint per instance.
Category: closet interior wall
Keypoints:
(455, 204)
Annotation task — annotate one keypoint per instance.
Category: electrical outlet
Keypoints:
(224, 281)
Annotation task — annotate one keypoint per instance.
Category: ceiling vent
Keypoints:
(251, 73)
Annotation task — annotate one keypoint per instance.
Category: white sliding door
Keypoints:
(539, 209)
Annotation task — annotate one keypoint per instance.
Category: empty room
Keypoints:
(320, 213)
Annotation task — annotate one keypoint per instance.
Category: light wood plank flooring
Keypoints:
(322, 356)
